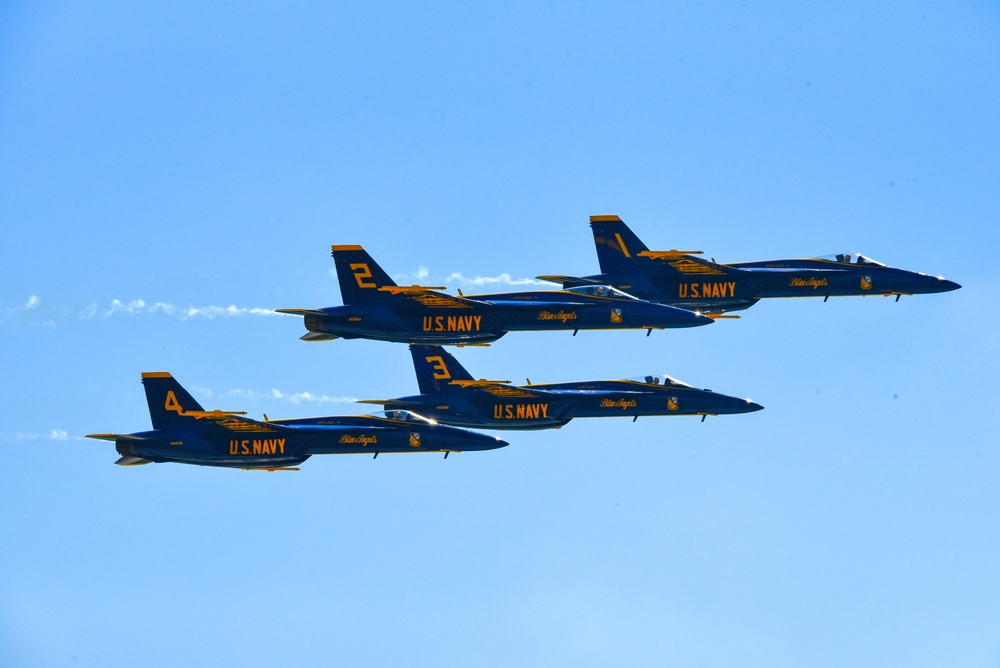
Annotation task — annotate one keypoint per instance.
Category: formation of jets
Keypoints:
(637, 289)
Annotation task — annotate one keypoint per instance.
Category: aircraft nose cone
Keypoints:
(753, 406)
(948, 286)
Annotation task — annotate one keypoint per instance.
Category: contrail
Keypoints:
(30, 313)
(53, 435)
(139, 306)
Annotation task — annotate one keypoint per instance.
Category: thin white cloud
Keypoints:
(502, 279)
(295, 398)
(16, 312)
(421, 275)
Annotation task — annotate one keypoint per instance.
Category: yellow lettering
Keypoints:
(440, 369)
(428, 323)
(451, 323)
(497, 411)
(694, 290)
(244, 449)
(439, 323)
(281, 444)
(234, 447)
(510, 412)
(362, 272)
(682, 290)
(478, 319)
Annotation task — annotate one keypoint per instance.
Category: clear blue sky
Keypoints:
(161, 162)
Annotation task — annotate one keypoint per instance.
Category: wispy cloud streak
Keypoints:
(295, 398)
(422, 274)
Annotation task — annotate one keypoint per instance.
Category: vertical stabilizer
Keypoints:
(360, 276)
(617, 246)
(436, 368)
(169, 403)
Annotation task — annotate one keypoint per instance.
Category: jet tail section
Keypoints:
(361, 279)
(617, 246)
(621, 252)
(169, 403)
(436, 368)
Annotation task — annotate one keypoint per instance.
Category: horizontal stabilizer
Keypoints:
(394, 402)
(115, 437)
(318, 336)
(299, 311)
(569, 281)
(132, 460)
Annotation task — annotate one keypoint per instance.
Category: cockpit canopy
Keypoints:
(600, 291)
(851, 258)
(404, 416)
(662, 379)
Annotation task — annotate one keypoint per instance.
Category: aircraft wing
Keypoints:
(499, 388)
(430, 297)
(569, 281)
(687, 262)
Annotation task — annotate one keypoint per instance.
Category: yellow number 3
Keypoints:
(440, 370)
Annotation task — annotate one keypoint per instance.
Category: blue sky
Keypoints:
(171, 172)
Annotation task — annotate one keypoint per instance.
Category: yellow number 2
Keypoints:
(361, 272)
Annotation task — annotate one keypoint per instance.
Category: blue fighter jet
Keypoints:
(185, 433)
(449, 394)
(679, 278)
(376, 308)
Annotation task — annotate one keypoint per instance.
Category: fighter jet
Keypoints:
(185, 433)
(376, 308)
(449, 394)
(679, 278)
